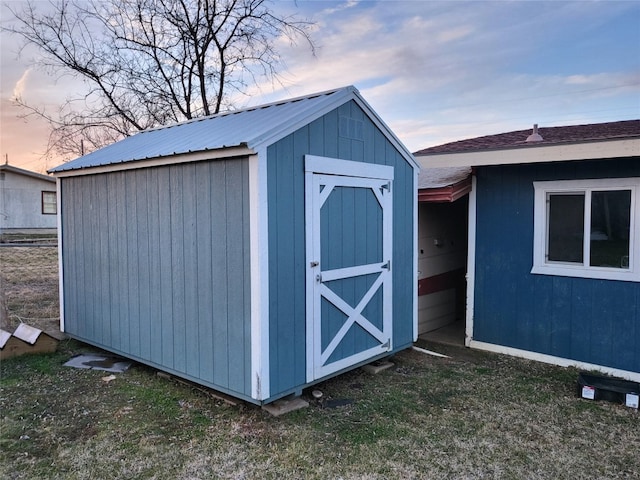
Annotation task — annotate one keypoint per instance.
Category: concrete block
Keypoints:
(280, 407)
(377, 367)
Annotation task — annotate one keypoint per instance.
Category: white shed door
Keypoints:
(349, 245)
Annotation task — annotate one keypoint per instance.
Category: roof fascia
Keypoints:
(27, 173)
(450, 193)
(619, 148)
(230, 152)
(387, 131)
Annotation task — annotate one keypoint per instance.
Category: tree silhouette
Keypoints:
(147, 63)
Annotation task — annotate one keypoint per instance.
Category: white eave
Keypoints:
(228, 152)
(589, 150)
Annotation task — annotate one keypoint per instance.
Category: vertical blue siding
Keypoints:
(156, 268)
(595, 321)
(287, 263)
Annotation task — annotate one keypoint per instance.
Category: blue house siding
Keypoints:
(594, 321)
(156, 268)
(345, 133)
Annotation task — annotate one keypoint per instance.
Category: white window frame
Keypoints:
(544, 267)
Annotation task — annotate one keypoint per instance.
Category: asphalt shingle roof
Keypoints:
(442, 176)
(550, 135)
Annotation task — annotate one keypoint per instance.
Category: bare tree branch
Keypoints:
(148, 63)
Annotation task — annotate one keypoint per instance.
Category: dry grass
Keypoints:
(29, 283)
(475, 415)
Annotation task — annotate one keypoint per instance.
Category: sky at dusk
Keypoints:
(435, 72)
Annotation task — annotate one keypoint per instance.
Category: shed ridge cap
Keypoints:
(335, 98)
(226, 113)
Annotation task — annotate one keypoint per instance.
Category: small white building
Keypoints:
(27, 200)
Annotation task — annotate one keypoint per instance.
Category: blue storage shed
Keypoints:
(554, 243)
(255, 252)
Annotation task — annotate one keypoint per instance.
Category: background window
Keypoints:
(587, 228)
(49, 203)
(610, 225)
(566, 228)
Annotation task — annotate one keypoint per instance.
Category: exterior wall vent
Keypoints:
(351, 128)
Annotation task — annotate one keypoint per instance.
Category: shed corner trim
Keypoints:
(259, 267)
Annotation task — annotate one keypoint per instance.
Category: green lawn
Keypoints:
(475, 415)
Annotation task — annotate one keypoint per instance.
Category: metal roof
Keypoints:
(252, 128)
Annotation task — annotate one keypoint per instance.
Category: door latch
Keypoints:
(314, 264)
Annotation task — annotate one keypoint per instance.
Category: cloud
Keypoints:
(21, 84)
(340, 7)
(442, 71)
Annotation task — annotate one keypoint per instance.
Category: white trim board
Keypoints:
(609, 149)
(415, 257)
(60, 263)
(330, 173)
(205, 155)
(553, 360)
(471, 262)
(349, 168)
(259, 268)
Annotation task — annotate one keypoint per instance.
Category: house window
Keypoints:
(586, 228)
(49, 203)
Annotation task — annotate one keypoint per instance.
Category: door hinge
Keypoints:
(319, 278)
(387, 265)
(387, 344)
(386, 186)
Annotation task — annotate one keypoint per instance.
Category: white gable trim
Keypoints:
(334, 100)
(536, 154)
(387, 131)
